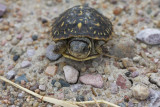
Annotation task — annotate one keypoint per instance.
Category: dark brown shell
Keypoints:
(81, 21)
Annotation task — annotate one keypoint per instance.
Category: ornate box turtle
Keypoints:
(80, 33)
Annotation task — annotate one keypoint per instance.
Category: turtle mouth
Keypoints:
(79, 47)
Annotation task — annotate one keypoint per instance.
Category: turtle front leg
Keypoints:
(60, 47)
(102, 49)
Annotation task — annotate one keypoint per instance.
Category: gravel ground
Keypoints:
(25, 46)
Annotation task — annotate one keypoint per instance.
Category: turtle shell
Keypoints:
(81, 21)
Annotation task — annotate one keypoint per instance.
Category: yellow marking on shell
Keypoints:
(80, 13)
(97, 24)
(72, 30)
(80, 19)
(79, 25)
(62, 24)
(107, 31)
(90, 28)
(85, 22)
(74, 21)
(104, 33)
(64, 32)
(94, 32)
(98, 33)
(101, 33)
(55, 32)
(81, 7)
(89, 17)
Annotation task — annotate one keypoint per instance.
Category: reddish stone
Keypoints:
(121, 81)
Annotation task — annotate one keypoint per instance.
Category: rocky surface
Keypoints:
(27, 57)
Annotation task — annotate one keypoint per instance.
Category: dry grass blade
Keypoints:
(56, 101)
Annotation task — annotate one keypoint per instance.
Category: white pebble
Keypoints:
(30, 52)
(71, 74)
(25, 64)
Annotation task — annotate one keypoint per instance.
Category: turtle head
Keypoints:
(79, 47)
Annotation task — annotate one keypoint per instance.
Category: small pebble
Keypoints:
(114, 88)
(57, 84)
(64, 83)
(95, 80)
(2, 9)
(121, 81)
(9, 37)
(35, 104)
(25, 64)
(117, 11)
(1, 72)
(53, 82)
(123, 48)
(51, 70)
(149, 36)
(19, 36)
(21, 95)
(71, 74)
(80, 98)
(75, 87)
(14, 41)
(140, 92)
(42, 87)
(128, 74)
(126, 98)
(34, 37)
(15, 57)
(44, 20)
(30, 52)
(34, 87)
(11, 74)
(136, 59)
(144, 46)
(20, 78)
(127, 62)
(50, 54)
(134, 74)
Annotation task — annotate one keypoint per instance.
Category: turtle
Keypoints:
(80, 33)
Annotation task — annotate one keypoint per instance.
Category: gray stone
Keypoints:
(30, 52)
(25, 64)
(75, 87)
(2, 9)
(50, 54)
(122, 48)
(154, 98)
(15, 41)
(149, 36)
(42, 87)
(114, 88)
(20, 78)
(71, 74)
(20, 95)
(11, 74)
